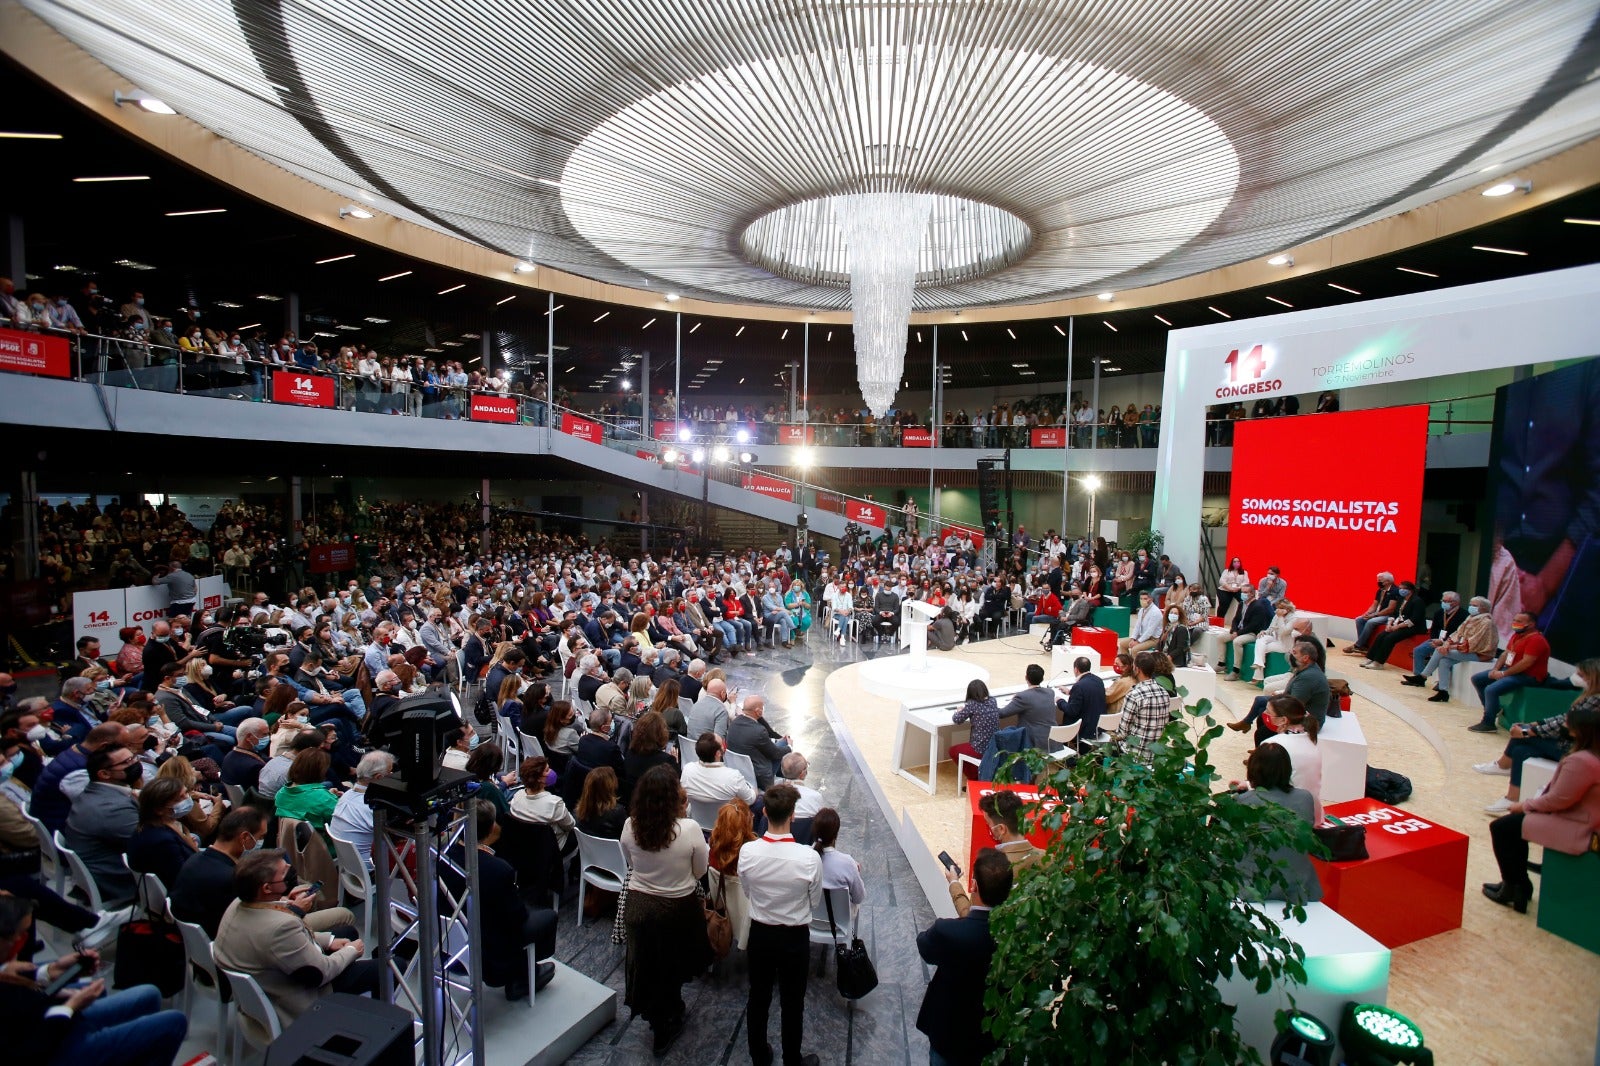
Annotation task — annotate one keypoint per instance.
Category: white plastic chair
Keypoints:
(604, 865)
(510, 743)
(48, 853)
(1061, 738)
(685, 704)
(704, 812)
(843, 918)
(742, 764)
(79, 872)
(253, 1003)
(531, 748)
(355, 880)
(686, 752)
(197, 950)
(235, 795)
(963, 760)
(461, 671)
(1109, 724)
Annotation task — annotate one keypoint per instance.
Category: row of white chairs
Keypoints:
(1060, 737)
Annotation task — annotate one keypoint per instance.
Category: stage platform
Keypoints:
(1477, 992)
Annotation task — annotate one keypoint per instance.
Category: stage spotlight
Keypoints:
(720, 453)
(1303, 1041)
(684, 434)
(1374, 1035)
(743, 436)
(699, 455)
(669, 456)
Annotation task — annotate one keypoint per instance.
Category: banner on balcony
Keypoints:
(945, 533)
(770, 486)
(1050, 437)
(863, 513)
(302, 390)
(916, 437)
(331, 558)
(795, 434)
(488, 408)
(35, 353)
(581, 428)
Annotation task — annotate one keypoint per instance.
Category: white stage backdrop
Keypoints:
(101, 614)
(1514, 322)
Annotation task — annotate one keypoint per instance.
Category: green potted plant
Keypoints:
(1150, 540)
(1110, 949)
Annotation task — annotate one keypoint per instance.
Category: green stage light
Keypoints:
(1374, 1035)
(1304, 1041)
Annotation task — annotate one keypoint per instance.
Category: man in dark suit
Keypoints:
(1033, 709)
(597, 748)
(886, 612)
(1085, 702)
(1248, 624)
(514, 923)
(952, 1008)
(749, 734)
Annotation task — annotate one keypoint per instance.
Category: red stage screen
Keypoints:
(1331, 500)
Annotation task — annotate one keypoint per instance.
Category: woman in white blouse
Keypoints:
(1233, 579)
(538, 807)
(1296, 730)
(665, 920)
(838, 869)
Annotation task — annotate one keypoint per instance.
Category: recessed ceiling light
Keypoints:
(1057, 327)
(741, 381)
(451, 344)
(451, 289)
(549, 181)
(1509, 186)
(221, 303)
(569, 370)
(1018, 366)
(1280, 303)
(1104, 361)
(1109, 326)
(392, 277)
(547, 314)
(377, 321)
(113, 177)
(268, 297)
(1108, 296)
(648, 324)
(436, 351)
(603, 314)
(336, 259)
(963, 334)
(1281, 260)
(713, 362)
(144, 100)
(202, 211)
(829, 337)
(471, 336)
(508, 299)
(1344, 288)
(1420, 273)
(671, 296)
(522, 268)
(1583, 221)
(253, 325)
(1011, 332)
(696, 326)
(131, 264)
(1163, 321)
(324, 333)
(1219, 311)
(738, 331)
(346, 326)
(16, 136)
(785, 336)
(353, 211)
(65, 268)
(1500, 251)
(1114, 368)
(1026, 373)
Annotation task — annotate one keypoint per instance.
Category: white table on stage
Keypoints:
(915, 616)
(925, 733)
(1344, 759)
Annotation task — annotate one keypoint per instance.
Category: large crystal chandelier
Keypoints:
(883, 231)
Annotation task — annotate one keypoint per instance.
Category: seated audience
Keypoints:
(794, 769)
(104, 818)
(510, 924)
(1270, 772)
(1410, 621)
(839, 870)
(1296, 731)
(352, 817)
(599, 814)
(539, 807)
(710, 780)
(161, 845)
(1526, 661)
(1547, 739)
(1146, 710)
(1085, 702)
(749, 734)
(306, 796)
(1034, 708)
(983, 712)
(1473, 640)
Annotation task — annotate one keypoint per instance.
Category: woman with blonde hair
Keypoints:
(666, 705)
(798, 601)
(640, 693)
(639, 629)
(198, 691)
(202, 818)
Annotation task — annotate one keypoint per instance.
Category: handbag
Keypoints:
(1345, 843)
(150, 953)
(854, 974)
(719, 927)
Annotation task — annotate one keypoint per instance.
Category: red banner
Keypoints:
(302, 390)
(977, 536)
(916, 437)
(795, 434)
(329, 558)
(666, 430)
(581, 428)
(35, 353)
(864, 514)
(770, 486)
(487, 408)
(1050, 437)
(642, 454)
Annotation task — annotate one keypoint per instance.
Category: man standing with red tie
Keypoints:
(783, 884)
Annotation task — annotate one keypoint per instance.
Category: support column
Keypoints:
(677, 370)
(550, 369)
(1066, 443)
(485, 349)
(483, 498)
(291, 315)
(805, 380)
(295, 534)
(644, 398)
(16, 254)
(25, 550)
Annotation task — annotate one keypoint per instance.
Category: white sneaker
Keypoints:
(1494, 769)
(1499, 806)
(109, 923)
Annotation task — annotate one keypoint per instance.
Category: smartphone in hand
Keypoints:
(950, 864)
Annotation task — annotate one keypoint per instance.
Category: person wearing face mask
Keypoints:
(1144, 573)
(1385, 605)
(161, 845)
(1175, 638)
(1526, 661)
(307, 796)
(104, 818)
(202, 889)
(1547, 739)
(1409, 620)
(33, 313)
(158, 653)
(1473, 640)
(455, 756)
(242, 766)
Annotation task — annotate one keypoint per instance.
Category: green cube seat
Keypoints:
(1568, 888)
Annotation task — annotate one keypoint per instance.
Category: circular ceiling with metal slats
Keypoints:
(696, 148)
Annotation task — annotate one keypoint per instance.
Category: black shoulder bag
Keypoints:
(854, 973)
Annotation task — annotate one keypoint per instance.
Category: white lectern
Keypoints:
(914, 619)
